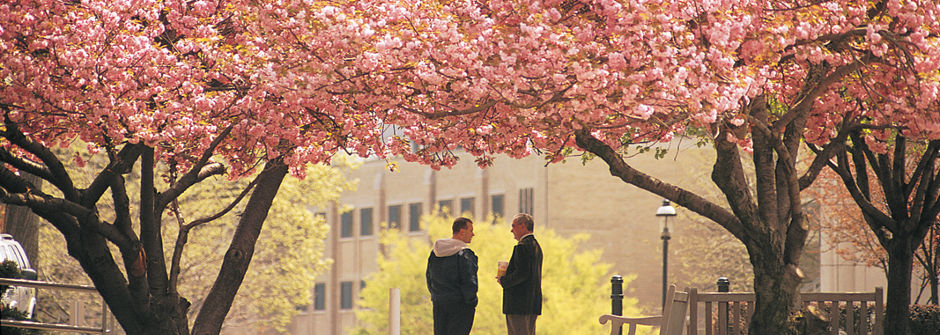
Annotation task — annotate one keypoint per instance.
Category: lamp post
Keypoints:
(665, 211)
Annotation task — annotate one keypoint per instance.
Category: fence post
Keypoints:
(879, 328)
(394, 311)
(616, 297)
(105, 315)
(74, 315)
(724, 285)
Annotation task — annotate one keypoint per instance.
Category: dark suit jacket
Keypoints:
(522, 284)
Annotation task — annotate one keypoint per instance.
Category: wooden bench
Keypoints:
(673, 313)
(730, 312)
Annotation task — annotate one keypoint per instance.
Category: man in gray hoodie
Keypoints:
(452, 281)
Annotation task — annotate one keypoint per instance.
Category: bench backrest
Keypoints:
(730, 312)
(674, 316)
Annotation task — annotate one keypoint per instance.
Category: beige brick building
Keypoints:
(568, 198)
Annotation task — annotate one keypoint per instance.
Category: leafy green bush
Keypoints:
(15, 314)
(8, 269)
(925, 319)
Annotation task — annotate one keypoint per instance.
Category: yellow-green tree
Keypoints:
(289, 255)
(575, 286)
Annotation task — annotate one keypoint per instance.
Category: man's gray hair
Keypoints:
(525, 219)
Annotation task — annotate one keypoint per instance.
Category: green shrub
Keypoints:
(8, 269)
(14, 314)
(925, 319)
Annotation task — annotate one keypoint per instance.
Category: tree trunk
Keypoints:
(91, 252)
(238, 257)
(898, 300)
(776, 290)
(23, 225)
(934, 263)
(934, 300)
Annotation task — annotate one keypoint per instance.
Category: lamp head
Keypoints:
(666, 209)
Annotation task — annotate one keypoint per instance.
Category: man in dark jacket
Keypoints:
(522, 283)
(452, 281)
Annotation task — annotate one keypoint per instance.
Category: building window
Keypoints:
(466, 206)
(525, 200)
(319, 297)
(365, 219)
(414, 216)
(497, 203)
(346, 224)
(394, 216)
(362, 284)
(446, 206)
(345, 295)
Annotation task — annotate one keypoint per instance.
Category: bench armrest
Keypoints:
(620, 320)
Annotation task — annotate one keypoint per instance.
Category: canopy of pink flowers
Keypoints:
(302, 79)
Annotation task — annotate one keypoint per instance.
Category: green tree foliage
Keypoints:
(286, 261)
(575, 283)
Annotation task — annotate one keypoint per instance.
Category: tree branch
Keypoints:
(768, 205)
(619, 168)
(875, 218)
(225, 210)
(926, 195)
(26, 165)
(11, 182)
(825, 155)
(40, 202)
(58, 175)
(150, 226)
(235, 264)
(930, 153)
(122, 211)
(728, 175)
(121, 164)
(805, 103)
(438, 115)
(197, 173)
(181, 238)
(132, 254)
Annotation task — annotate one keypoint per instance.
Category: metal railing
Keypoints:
(75, 317)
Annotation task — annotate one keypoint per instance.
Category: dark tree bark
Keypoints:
(238, 256)
(898, 299)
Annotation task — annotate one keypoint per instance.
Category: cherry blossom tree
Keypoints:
(187, 90)
(753, 78)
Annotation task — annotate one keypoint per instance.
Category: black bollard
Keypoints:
(616, 297)
(724, 285)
